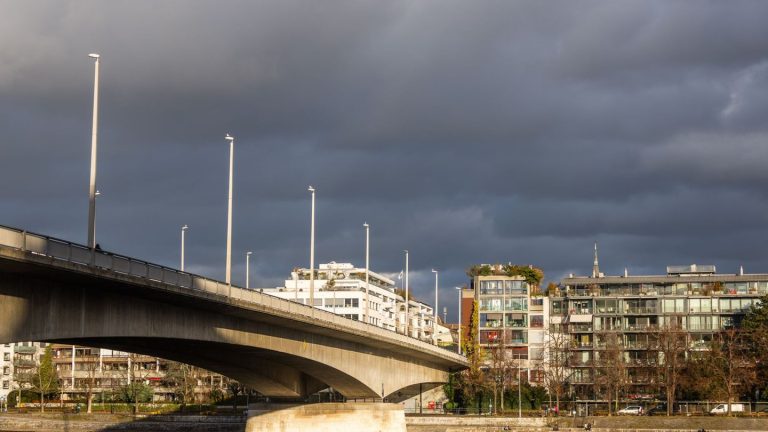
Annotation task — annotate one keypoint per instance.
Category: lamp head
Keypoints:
(365, 225)
(458, 288)
(311, 188)
(248, 253)
(434, 271)
(94, 55)
(185, 227)
(98, 192)
(229, 137)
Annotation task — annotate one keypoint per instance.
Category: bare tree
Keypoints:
(732, 363)
(670, 345)
(610, 369)
(235, 388)
(90, 368)
(554, 362)
(504, 372)
(183, 379)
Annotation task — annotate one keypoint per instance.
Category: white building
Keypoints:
(340, 288)
(16, 358)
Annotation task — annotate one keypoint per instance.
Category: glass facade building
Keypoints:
(627, 313)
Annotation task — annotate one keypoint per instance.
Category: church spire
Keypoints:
(596, 265)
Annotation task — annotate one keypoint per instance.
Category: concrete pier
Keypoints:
(326, 417)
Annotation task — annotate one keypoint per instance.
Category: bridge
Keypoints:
(53, 290)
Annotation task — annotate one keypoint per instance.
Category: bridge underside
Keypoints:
(273, 355)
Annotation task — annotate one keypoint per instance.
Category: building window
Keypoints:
(6, 356)
(6, 370)
(537, 321)
(5, 384)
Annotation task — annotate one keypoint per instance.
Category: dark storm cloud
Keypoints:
(463, 131)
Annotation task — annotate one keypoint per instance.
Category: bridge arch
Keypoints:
(276, 356)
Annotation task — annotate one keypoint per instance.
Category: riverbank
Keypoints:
(57, 422)
(599, 424)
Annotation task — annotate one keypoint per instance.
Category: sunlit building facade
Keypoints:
(627, 313)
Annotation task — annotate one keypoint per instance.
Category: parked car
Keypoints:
(723, 408)
(631, 410)
(660, 409)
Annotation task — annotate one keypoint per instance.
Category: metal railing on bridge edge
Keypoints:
(71, 252)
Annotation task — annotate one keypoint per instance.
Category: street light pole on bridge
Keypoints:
(248, 269)
(228, 279)
(311, 251)
(94, 134)
(434, 321)
(367, 263)
(183, 232)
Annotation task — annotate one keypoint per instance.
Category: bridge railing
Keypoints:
(67, 251)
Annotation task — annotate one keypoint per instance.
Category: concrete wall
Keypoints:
(329, 417)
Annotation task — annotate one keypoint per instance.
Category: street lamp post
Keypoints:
(94, 134)
(248, 269)
(407, 300)
(434, 323)
(312, 251)
(183, 232)
(458, 349)
(367, 264)
(231, 140)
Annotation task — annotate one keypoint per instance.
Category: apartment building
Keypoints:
(340, 288)
(106, 371)
(626, 313)
(16, 358)
(511, 315)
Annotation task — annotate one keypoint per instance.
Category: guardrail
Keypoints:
(70, 252)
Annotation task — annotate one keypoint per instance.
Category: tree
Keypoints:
(136, 390)
(670, 345)
(90, 366)
(554, 362)
(533, 275)
(502, 372)
(730, 360)
(41, 379)
(183, 379)
(755, 324)
(611, 369)
(235, 388)
(471, 380)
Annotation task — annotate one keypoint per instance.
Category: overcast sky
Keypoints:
(467, 132)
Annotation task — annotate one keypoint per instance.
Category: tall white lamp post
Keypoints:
(367, 263)
(94, 134)
(407, 300)
(312, 251)
(434, 324)
(458, 349)
(228, 279)
(248, 269)
(183, 233)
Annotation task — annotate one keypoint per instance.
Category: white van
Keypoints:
(723, 408)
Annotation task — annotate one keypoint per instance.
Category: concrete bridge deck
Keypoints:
(58, 291)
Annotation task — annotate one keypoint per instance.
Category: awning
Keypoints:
(580, 318)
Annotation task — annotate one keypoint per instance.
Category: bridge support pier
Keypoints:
(326, 417)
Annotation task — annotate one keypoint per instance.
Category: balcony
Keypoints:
(584, 345)
(580, 328)
(21, 349)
